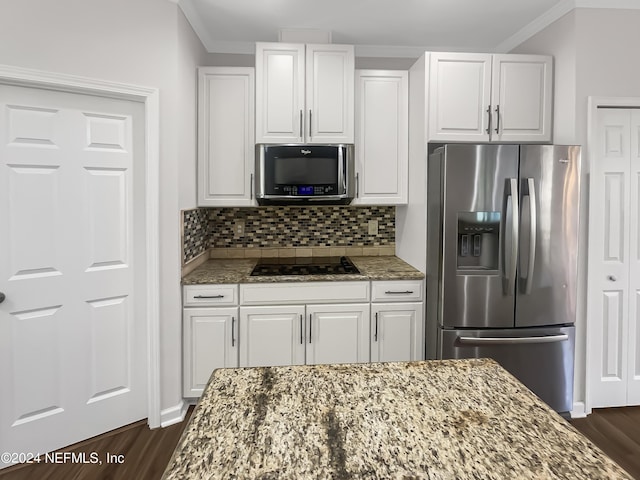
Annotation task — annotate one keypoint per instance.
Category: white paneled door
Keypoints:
(72, 325)
(614, 260)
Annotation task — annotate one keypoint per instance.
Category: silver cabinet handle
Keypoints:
(375, 334)
(300, 124)
(209, 296)
(488, 130)
(391, 292)
(498, 119)
(2, 297)
(251, 187)
(533, 228)
(310, 125)
(310, 320)
(301, 340)
(611, 278)
(233, 335)
(512, 340)
(357, 185)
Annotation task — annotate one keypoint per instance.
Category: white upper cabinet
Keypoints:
(521, 96)
(304, 93)
(482, 97)
(459, 96)
(225, 136)
(280, 106)
(382, 137)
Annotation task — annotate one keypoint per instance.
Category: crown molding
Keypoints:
(555, 13)
(402, 51)
(547, 18)
(195, 19)
(612, 4)
(537, 25)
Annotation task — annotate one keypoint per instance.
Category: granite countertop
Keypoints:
(448, 419)
(218, 271)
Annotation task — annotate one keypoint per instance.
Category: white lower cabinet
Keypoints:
(210, 342)
(299, 334)
(337, 334)
(397, 321)
(272, 335)
(396, 332)
(298, 323)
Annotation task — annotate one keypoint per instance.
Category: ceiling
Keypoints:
(393, 28)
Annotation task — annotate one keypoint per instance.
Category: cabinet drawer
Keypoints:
(210, 295)
(301, 293)
(397, 291)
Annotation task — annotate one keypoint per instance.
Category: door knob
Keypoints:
(611, 278)
(2, 297)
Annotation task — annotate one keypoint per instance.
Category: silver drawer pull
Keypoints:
(391, 292)
(209, 296)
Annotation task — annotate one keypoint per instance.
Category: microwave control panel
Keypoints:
(305, 190)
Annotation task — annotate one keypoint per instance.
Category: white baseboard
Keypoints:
(173, 415)
(579, 410)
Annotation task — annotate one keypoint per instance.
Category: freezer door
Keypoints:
(549, 208)
(479, 249)
(541, 358)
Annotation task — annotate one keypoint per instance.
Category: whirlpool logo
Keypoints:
(305, 152)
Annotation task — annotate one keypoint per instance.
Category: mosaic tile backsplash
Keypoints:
(286, 227)
(195, 233)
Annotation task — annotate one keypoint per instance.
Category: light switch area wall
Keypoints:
(286, 227)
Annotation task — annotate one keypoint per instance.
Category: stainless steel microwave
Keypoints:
(304, 174)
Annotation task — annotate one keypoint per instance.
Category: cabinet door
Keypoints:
(337, 333)
(279, 93)
(210, 341)
(330, 93)
(396, 332)
(271, 336)
(382, 137)
(521, 98)
(459, 97)
(225, 136)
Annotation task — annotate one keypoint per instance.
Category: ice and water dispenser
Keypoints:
(478, 240)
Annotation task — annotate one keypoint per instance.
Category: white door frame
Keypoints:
(594, 103)
(23, 77)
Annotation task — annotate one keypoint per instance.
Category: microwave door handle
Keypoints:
(342, 178)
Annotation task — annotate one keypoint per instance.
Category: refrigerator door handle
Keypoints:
(509, 271)
(533, 228)
(512, 340)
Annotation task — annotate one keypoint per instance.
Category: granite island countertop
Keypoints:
(219, 271)
(448, 419)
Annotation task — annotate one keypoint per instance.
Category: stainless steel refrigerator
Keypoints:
(502, 260)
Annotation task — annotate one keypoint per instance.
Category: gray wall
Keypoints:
(142, 42)
(596, 54)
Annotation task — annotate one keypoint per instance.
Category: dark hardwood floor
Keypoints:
(617, 432)
(147, 452)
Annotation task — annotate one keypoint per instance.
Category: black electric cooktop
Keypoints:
(304, 266)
